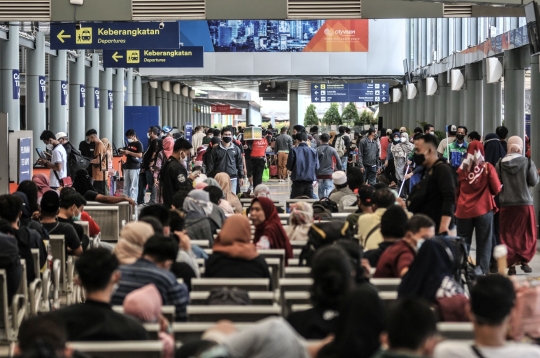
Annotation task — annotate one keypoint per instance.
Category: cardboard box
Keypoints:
(252, 133)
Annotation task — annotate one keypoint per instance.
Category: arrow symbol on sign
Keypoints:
(61, 36)
(316, 99)
(316, 86)
(316, 92)
(383, 86)
(116, 56)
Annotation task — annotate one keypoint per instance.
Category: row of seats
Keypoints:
(247, 203)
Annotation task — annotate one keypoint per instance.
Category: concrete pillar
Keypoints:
(118, 107)
(535, 124)
(137, 91)
(36, 98)
(179, 110)
(145, 94)
(473, 98)
(165, 109)
(9, 79)
(514, 91)
(92, 105)
(129, 87)
(58, 92)
(430, 109)
(151, 96)
(191, 113)
(421, 103)
(175, 109)
(293, 108)
(159, 102)
(77, 100)
(170, 108)
(105, 113)
(441, 103)
(491, 103)
(403, 120)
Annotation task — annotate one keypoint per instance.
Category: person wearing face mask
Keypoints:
(146, 177)
(100, 169)
(451, 137)
(69, 212)
(457, 150)
(435, 194)
(133, 153)
(400, 152)
(173, 175)
(227, 158)
(396, 260)
(429, 129)
(368, 152)
(58, 161)
(86, 147)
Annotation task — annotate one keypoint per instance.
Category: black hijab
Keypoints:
(432, 264)
(82, 182)
(361, 320)
(493, 149)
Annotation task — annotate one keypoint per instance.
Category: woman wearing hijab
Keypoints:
(478, 183)
(333, 278)
(132, 238)
(82, 182)
(234, 255)
(224, 182)
(202, 222)
(300, 221)
(431, 277)
(359, 325)
(400, 152)
(493, 149)
(42, 183)
(269, 233)
(30, 189)
(517, 222)
(145, 305)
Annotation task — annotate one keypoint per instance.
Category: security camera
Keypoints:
(78, 26)
(161, 25)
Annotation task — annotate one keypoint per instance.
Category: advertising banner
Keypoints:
(42, 89)
(63, 93)
(24, 159)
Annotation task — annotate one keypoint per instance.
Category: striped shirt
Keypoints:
(144, 272)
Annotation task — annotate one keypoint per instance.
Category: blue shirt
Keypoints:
(144, 272)
(457, 153)
(303, 162)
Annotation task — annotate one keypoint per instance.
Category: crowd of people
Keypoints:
(412, 196)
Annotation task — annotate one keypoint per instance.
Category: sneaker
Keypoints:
(526, 268)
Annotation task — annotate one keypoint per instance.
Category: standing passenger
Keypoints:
(133, 153)
(58, 162)
(303, 163)
(284, 145)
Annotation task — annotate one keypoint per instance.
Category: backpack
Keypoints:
(340, 146)
(225, 296)
(325, 206)
(76, 161)
(322, 234)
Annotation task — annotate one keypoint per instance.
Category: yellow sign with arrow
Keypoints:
(61, 36)
(116, 56)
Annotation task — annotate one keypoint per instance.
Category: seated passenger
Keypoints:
(300, 221)
(263, 191)
(224, 182)
(10, 261)
(234, 256)
(341, 187)
(50, 204)
(332, 279)
(216, 197)
(30, 190)
(396, 260)
(153, 267)
(95, 319)
(364, 205)
(133, 236)
(42, 183)
(492, 300)
(431, 277)
(369, 225)
(393, 226)
(269, 233)
(411, 331)
(69, 209)
(202, 222)
(41, 336)
(83, 186)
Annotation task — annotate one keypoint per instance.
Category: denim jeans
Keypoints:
(344, 161)
(370, 173)
(234, 184)
(325, 187)
(131, 183)
(146, 179)
(483, 227)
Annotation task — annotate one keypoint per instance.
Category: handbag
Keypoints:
(266, 174)
(66, 182)
(419, 193)
(273, 169)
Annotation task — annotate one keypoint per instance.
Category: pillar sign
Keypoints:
(96, 97)
(16, 84)
(82, 96)
(42, 89)
(63, 93)
(189, 129)
(25, 145)
(110, 100)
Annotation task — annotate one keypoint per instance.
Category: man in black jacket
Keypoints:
(86, 147)
(227, 158)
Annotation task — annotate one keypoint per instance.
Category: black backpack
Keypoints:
(76, 161)
(323, 209)
(322, 234)
(465, 272)
(228, 297)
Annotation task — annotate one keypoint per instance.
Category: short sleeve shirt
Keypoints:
(70, 235)
(58, 156)
(97, 173)
(91, 195)
(131, 161)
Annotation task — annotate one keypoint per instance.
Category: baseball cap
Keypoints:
(365, 192)
(452, 128)
(50, 202)
(166, 129)
(61, 135)
(389, 131)
(339, 178)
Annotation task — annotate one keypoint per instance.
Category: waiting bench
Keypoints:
(167, 311)
(231, 313)
(258, 298)
(247, 284)
(108, 219)
(123, 349)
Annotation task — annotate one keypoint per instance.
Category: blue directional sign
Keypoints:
(115, 35)
(350, 92)
(184, 57)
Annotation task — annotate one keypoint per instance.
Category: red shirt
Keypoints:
(93, 227)
(384, 147)
(477, 200)
(258, 148)
(394, 259)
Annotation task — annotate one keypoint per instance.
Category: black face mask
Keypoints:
(419, 159)
(460, 136)
(226, 139)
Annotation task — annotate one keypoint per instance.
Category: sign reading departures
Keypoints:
(350, 92)
(183, 57)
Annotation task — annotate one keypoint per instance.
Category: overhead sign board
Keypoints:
(183, 57)
(350, 92)
(220, 108)
(233, 111)
(115, 35)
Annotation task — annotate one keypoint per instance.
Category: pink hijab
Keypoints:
(168, 145)
(42, 182)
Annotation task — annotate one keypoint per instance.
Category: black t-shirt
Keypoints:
(147, 157)
(96, 321)
(68, 147)
(173, 177)
(221, 266)
(133, 162)
(315, 323)
(87, 149)
(91, 195)
(70, 235)
(79, 230)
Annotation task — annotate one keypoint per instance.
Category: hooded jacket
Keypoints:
(518, 175)
(227, 160)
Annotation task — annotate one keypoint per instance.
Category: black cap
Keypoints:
(215, 140)
(50, 202)
(364, 194)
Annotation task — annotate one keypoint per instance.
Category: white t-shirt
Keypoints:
(58, 156)
(444, 143)
(463, 349)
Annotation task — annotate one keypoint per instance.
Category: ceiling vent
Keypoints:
(457, 10)
(324, 9)
(25, 10)
(168, 9)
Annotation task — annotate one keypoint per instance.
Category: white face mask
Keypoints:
(130, 140)
(88, 140)
(50, 146)
(148, 135)
(419, 244)
(403, 139)
(432, 133)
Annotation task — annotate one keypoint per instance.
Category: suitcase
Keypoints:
(273, 171)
